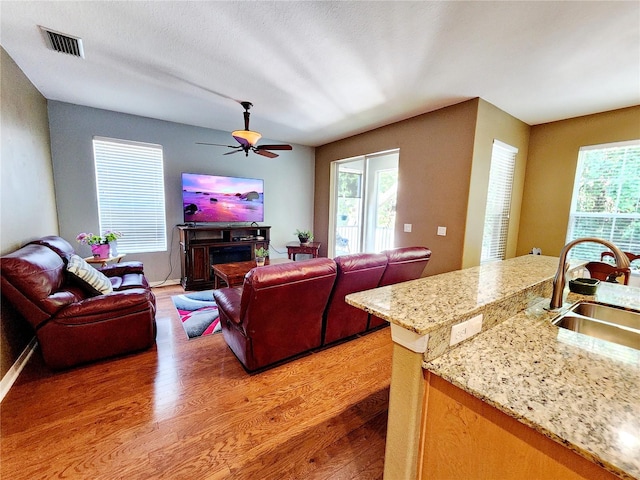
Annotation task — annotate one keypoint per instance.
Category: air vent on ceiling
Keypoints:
(63, 43)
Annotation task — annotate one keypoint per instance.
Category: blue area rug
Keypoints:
(198, 312)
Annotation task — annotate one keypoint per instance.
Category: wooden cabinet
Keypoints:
(199, 263)
(202, 246)
(464, 437)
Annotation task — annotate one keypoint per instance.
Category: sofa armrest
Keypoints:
(103, 307)
(229, 302)
(122, 268)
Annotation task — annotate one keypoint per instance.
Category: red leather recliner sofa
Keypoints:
(403, 264)
(356, 272)
(74, 325)
(287, 309)
(278, 312)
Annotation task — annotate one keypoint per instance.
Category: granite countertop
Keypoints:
(577, 390)
(427, 304)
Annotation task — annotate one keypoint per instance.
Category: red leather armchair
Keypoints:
(403, 264)
(356, 272)
(73, 325)
(278, 312)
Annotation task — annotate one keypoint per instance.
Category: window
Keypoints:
(130, 189)
(606, 199)
(364, 203)
(496, 217)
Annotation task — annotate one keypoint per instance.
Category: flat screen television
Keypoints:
(221, 199)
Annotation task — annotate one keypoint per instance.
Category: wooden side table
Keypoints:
(294, 248)
(105, 261)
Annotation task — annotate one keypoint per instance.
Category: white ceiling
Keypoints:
(320, 71)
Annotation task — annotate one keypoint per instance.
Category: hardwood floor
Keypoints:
(186, 409)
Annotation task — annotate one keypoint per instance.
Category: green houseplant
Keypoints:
(261, 255)
(304, 236)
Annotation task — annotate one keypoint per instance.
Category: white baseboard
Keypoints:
(12, 375)
(166, 283)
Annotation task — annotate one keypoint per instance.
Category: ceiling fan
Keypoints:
(247, 139)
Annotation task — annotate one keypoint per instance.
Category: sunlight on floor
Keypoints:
(167, 386)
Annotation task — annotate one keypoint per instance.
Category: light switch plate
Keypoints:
(407, 227)
(442, 231)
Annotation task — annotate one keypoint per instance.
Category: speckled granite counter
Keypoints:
(579, 391)
(430, 306)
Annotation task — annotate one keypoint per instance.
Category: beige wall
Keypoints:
(436, 151)
(27, 200)
(551, 166)
(493, 123)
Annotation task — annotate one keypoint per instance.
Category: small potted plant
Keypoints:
(261, 255)
(304, 236)
(99, 245)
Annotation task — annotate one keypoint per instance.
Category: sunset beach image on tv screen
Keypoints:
(211, 198)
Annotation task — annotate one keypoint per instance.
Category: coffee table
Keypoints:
(233, 273)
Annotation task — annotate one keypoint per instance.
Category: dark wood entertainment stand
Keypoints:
(202, 246)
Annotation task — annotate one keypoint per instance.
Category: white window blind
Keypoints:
(606, 199)
(130, 190)
(496, 217)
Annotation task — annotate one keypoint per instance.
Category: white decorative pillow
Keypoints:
(89, 276)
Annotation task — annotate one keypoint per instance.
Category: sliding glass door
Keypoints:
(364, 204)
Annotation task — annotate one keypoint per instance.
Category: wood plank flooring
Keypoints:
(186, 409)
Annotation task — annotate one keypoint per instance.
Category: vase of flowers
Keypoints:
(100, 250)
(99, 244)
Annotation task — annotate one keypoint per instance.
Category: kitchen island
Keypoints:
(545, 398)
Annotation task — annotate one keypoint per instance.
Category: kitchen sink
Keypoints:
(604, 322)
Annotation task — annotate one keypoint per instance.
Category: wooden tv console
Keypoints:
(202, 246)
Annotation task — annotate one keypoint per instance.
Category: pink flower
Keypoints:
(82, 237)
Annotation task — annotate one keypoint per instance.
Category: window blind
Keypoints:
(497, 211)
(130, 190)
(606, 199)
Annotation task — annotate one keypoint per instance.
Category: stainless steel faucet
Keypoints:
(622, 261)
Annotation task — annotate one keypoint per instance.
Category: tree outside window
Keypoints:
(606, 199)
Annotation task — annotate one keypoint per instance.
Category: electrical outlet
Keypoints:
(442, 231)
(407, 227)
(464, 330)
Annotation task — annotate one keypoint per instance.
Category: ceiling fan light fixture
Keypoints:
(247, 135)
(247, 139)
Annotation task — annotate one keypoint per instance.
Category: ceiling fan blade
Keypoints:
(265, 153)
(242, 141)
(274, 147)
(235, 151)
(217, 145)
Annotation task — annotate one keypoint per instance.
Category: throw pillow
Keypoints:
(95, 281)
